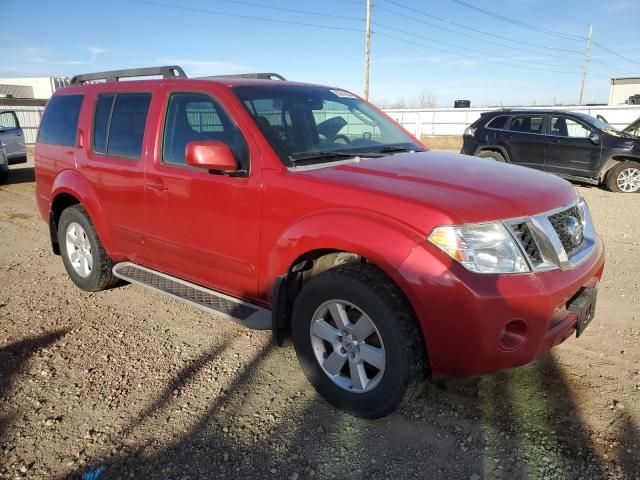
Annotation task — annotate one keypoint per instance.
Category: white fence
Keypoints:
(453, 121)
(29, 118)
(435, 121)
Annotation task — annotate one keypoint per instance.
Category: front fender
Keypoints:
(73, 183)
(382, 241)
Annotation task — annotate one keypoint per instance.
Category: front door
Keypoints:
(203, 227)
(570, 151)
(525, 140)
(11, 135)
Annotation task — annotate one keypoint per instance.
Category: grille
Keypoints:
(526, 239)
(187, 292)
(559, 223)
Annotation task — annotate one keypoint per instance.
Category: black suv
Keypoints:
(573, 145)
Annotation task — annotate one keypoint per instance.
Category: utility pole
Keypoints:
(585, 68)
(367, 51)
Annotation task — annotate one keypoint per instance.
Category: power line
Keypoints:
(293, 10)
(393, 37)
(566, 36)
(482, 52)
(246, 17)
(473, 29)
(614, 53)
(544, 30)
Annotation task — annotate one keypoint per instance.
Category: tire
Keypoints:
(4, 174)
(615, 177)
(99, 276)
(491, 155)
(360, 288)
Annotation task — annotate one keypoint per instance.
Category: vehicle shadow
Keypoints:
(518, 424)
(13, 359)
(20, 175)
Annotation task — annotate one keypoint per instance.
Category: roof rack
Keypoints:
(258, 75)
(168, 71)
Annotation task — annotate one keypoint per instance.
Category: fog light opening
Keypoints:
(513, 334)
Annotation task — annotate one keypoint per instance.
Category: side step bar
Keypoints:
(246, 314)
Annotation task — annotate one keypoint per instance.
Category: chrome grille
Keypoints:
(559, 223)
(522, 232)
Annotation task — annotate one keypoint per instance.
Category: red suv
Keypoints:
(306, 210)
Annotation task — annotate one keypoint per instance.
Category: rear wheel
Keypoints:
(490, 154)
(624, 177)
(4, 174)
(357, 340)
(83, 255)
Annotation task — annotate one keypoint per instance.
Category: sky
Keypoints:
(532, 52)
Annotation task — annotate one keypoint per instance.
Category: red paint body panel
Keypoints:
(238, 234)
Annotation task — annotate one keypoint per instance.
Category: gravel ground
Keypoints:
(145, 387)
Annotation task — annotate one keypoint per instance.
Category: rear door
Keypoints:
(570, 151)
(11, 136)
(525, 140)
(113, 164)
(203, 227)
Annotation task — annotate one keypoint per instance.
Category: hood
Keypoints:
(466, 189)
(633, 128)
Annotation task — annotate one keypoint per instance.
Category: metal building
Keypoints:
(622, 91)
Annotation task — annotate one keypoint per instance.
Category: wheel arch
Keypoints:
(71, 188)
(493, 148)
(613, 161)
(291, 268)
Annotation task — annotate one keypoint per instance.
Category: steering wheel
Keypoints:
(342, 137)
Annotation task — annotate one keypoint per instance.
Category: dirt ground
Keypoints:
(145, 387)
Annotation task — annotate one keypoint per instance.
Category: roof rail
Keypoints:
(259, 75)
(168, 71)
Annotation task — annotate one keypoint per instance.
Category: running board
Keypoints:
(246, 314)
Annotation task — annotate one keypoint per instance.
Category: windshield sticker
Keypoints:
(343, 94)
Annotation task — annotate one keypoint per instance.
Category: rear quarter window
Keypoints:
(498, 122)
(60, 121)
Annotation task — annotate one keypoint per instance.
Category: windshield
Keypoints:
(600, 124)
(320, 124)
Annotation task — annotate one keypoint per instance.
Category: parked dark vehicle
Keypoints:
(572, 145)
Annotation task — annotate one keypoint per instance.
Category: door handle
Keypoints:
(555, 142)
(157, 186)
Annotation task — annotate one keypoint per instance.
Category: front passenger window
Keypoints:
(195, 116)
(565, 127)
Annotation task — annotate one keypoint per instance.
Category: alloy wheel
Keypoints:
(629, 180)
(347, 346)
(79, 249)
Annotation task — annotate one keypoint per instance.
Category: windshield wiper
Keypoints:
(398, 149)
(330, 154)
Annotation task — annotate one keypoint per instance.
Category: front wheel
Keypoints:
(624, 177)
(357, 340)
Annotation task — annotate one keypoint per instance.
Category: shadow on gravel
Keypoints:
(518, 424)
(21, 175)
(13, 359)
(629, 440)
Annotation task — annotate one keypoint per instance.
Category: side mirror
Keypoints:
(595, 138)
(212, 155)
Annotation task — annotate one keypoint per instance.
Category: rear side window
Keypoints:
(101, 122)
(8, 121)
(60, 122)
(527, 124)
(498, 122)
(119, 123)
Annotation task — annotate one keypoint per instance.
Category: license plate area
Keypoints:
(584, 306)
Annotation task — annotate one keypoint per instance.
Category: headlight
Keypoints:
(486, 248)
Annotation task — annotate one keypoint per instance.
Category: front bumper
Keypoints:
(464, 316)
